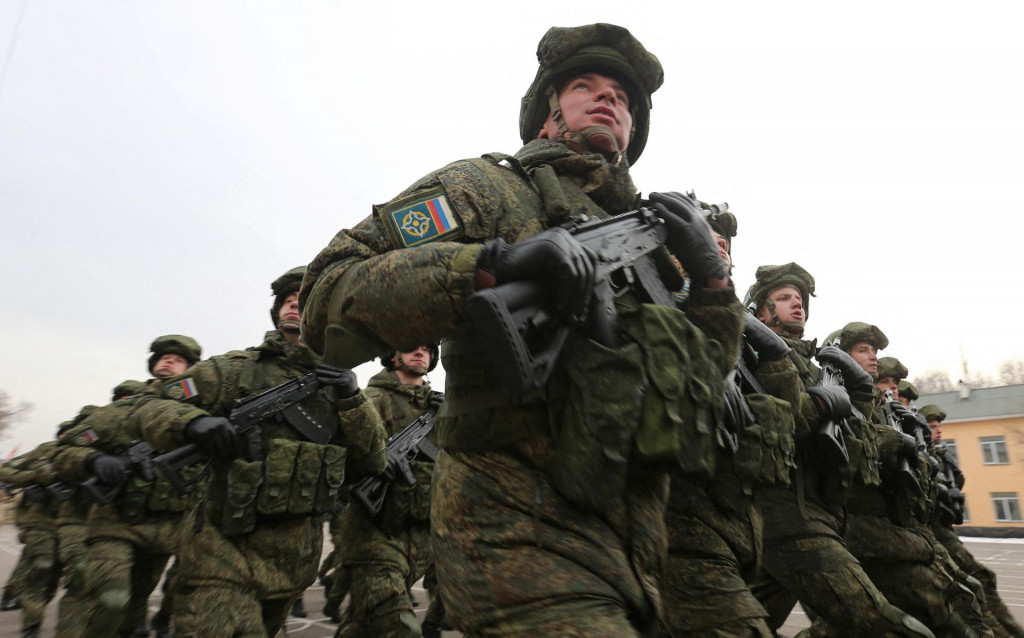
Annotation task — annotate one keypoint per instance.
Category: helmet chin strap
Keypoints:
(597, 139)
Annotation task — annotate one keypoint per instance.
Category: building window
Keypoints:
(950, 446)
(1007, 507)
(993, 450)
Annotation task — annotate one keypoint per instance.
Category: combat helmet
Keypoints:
(907, 390)
(388, 358)
(855, 332)
(128, 388)
(891, 367)
(185, 347)
(608, 48)
(932, 412)
(769, 278)
(283, 286)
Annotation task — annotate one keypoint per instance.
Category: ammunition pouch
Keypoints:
(767, 451)
(406, 504)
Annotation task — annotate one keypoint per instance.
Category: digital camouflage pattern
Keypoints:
(240, 570)
(385, 558)
(891, 367)
(496, 501)
(185, 347)
(128, 541)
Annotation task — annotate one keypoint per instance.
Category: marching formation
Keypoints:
(623, 448)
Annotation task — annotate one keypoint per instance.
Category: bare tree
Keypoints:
(9, 413)
(933, 381)
(1011, 372)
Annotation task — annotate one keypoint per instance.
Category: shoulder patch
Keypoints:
(87, 438)
(181, 390)
(422, 218)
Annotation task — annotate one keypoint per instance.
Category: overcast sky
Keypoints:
(162, 162)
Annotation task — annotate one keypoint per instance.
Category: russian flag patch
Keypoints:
(425, 219)
(181, 390)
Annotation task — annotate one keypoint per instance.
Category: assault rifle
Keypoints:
(280, 403)
(138, 458)
(907, 475)
(523, 329)
(833, 432)
(402, 448)
(950, 500)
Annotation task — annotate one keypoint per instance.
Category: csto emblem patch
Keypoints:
(424, 219)
(180, 390)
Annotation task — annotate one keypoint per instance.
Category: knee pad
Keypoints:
(114, 600)
(894, 622)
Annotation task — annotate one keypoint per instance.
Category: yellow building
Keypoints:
(985, 429)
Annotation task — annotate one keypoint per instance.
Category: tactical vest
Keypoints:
(655, 400)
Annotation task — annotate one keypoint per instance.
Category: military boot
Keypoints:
(161, 624)
(299, 608)
(141, 630)
(431, 630)
(30, 632)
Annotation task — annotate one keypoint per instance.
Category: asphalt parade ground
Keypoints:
(1004, 556)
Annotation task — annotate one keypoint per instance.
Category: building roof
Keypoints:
(971, 404)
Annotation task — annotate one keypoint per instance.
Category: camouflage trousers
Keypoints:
(915, 573)
(1002, 622)
(243, 586)
(713, 552)
(124, 566)
(74, 604)
(37, 574)
(382, 568)
(515, 558)
(806, 559)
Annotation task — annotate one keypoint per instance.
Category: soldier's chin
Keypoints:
(415, 370)
(291, 327)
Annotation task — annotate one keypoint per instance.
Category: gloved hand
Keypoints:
(110, 470)
(908, 447)
(689, 237)
(436, 400)
(560, 264)
(737, 413)
(769, 346)
(832, 401)
(907, 418)
(345, 384)
(859, 384)
(214, 434)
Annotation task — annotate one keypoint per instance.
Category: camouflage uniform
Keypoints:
(544, 522)
(37, 573)
(254, 545)
(805, 557)
(386, 557)
(897, 550)
(1001, 620)
(130, 539)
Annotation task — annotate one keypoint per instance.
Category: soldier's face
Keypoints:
(169, 365)
(723, 248)
(888, 383)
(416, 361)
(288, 315)
(593, 99)
(905, 401)
(936, 429)
(865, 354)
(789, 306)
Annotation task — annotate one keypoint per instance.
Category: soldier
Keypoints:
(887, 528)
(133, 522)
(548, 505)
(805, 558)
(36, 575)
(386, 555)
(254, 546)
(949, 512)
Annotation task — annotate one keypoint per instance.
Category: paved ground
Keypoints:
(1005, 556)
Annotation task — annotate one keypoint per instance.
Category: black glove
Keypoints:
(908, 447)
(563, 266)
(737, 413)
(908, 420)
(859, 384)
(832, 401)
(436, 400)
(345, 384)
(689, 237)
(110, 470)
(769, 346)
(214, 434)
